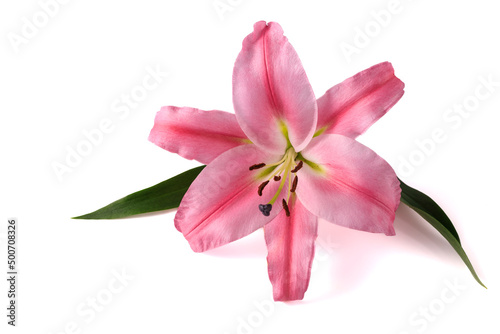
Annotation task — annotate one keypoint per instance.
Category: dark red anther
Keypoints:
(294, 184)
(256, 166)
(298, 167)
(261, 187)
(285, 207)
(277, 178)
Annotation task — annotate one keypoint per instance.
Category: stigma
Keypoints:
(282, 171)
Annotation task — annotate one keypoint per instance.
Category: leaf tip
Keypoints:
(86, 216)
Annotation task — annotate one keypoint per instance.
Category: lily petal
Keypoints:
(196, 134)
(271, 91)
(350, 186)
(290, 244)
(352, 106)
(221, 205)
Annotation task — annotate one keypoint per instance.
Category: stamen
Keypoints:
(298, 167)
(257, 166)
(285, 207)
(265, 209)
(294, 184)
(282, 172)
(261, 187)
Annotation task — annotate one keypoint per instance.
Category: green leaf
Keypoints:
(416, 199)
(168, 195)
(162, 196)
(430, 211)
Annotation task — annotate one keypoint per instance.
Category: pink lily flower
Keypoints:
(284, 159)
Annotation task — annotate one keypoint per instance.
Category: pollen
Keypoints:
(261, 187)
(294, 184)
(257, 166)
(285, 207)
(298, 167)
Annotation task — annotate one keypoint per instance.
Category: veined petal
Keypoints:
(290, 244)
(350, 186)
(352, 106)
(196, 134)
(271, 91)
(221, 205)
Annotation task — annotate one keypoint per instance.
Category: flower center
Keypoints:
(280, 171)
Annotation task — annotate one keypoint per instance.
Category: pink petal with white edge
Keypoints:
(290, 245)
(270, 86)
(222, 204)
(353, 186)
(352, 106)
(196, 134)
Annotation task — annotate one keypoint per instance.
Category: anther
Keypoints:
(285, 207)
(265, 209)
(261, 187)
(298, 167)
(294, 184)
(256, 166)
(277, 178)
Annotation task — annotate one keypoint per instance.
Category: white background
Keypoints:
(65, 78)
